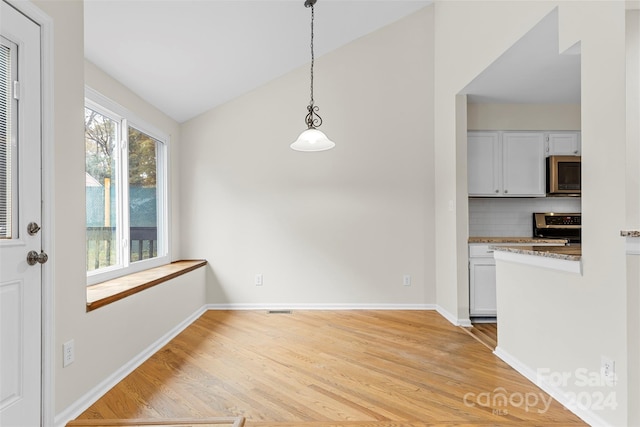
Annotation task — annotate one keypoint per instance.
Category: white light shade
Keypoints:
(312, 140)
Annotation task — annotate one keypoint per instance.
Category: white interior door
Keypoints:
(20, 205)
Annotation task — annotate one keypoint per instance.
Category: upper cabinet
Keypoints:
(484, 163)
(524, 164)
(562, 144)
(506, 164)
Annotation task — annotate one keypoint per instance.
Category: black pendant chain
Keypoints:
(313, 120)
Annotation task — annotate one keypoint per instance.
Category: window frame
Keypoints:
(126, 119)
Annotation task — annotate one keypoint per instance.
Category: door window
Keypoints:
(8, 149)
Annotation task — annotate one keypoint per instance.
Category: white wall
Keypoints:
(539, 117)
(633, 335)
(329, 228)
(109, 337)
(633, 118)
(633, 208)
(546, 319)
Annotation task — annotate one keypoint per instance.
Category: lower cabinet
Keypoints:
(482, 286)
(482, 276)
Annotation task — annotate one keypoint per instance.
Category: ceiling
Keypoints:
(531, 71)
(188, 56)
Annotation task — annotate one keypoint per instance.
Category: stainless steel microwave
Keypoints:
(564, 175)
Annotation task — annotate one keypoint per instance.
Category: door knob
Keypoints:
(34, 257)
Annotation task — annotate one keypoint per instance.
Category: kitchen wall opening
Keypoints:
(521, 109)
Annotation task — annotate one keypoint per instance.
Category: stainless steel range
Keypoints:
(558, 226)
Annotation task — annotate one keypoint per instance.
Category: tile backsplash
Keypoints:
(506, 217)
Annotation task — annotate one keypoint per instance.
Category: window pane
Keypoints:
(125, 192)
(143, 196)
(101, 190)
(8, 153)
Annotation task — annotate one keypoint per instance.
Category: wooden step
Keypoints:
(151, 422)
(399, 424)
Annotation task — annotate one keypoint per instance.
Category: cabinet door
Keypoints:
(523, 164)
(484, 164)
(482, 287)
(563, 144)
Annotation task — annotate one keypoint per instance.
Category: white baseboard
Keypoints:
(305, 306)
(553, 390)
(453, 319)
(79, 406)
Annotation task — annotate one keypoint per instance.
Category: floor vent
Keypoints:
(279, 312)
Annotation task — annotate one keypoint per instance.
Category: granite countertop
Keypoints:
(630, 233)
(499, 240)
(570, 253)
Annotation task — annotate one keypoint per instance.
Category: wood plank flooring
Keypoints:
(486, 333)
(330, 369)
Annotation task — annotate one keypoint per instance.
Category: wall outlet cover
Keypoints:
(608, 369)
(68, 353)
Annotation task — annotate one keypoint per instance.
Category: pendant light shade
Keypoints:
(312, 139)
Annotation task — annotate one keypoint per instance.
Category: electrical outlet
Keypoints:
(406, 280)
(258, 279)
(608, 369)
(68, 353)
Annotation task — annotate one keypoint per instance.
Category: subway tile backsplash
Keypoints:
(506, 217)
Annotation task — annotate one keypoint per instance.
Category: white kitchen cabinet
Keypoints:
(523, 164)
(482, 274)
(484, 166)
(482, 287)
(563, 144)
(506, 164)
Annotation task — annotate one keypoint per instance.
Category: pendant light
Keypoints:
(312, 139)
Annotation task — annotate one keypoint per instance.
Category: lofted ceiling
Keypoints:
(532, 71)
(188, 56)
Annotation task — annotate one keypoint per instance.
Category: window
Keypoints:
(8, 153)
(126, 191)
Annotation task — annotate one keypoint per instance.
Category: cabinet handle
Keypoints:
(575, 152)
(497, 191)
(506, 191)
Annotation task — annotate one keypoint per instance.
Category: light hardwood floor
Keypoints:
(329, 368)
(486, 333)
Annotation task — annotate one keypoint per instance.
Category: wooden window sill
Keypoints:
(113, 290)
